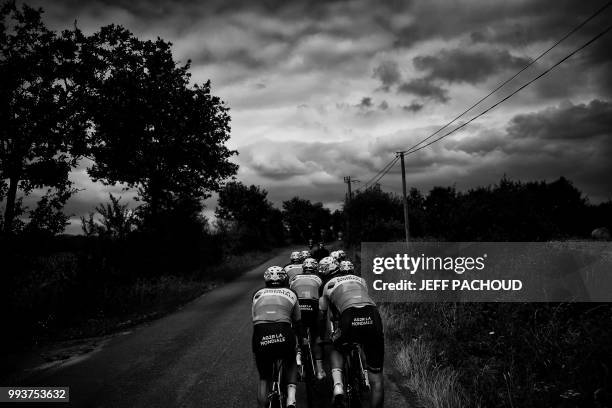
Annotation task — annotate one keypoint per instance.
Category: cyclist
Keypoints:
(305, 255)
(320, 253)
(275, 313)
(327, 266)
(306, 285)
(295, 258)
(345, 297)
(339, 255)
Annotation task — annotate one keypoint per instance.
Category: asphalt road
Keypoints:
(199, 356)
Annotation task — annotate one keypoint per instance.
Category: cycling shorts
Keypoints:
(272, 341)
(363, 325)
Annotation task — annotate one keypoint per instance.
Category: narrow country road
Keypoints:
(200, 356)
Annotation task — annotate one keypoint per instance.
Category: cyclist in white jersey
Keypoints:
(276, 319)
(306, 285)
(345, 295)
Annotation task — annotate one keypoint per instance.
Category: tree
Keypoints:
(246, 211)
(375, 216)
(42, 122)
(153, 131)
(117, 220)
(305, 219)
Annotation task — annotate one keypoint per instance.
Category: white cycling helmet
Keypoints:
(328, 266)
(296, 257)
(275, 276)
(310, 265)
(340, 255)
(347, 267)
(305, 254)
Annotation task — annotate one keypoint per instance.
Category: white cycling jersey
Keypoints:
(345, 291)
(306, 286)
(275, 305)
(293, 270)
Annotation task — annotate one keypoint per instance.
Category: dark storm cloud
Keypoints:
(413, 107)
(365, 103)
(571, 140)
(581, 122)
(517, 23)
(424, 88)
(460, 65)
(388, 73)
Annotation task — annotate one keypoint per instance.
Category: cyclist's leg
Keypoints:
(315, 340)
(291, 369)
(336, 357)
(373, 344)
(264, 368)
(377, 387)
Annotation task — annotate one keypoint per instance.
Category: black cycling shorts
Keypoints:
(272, 341)
(309, 310)
(363, 325)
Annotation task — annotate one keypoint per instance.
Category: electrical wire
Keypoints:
(383, 170)
(592, 40)
(533, 61)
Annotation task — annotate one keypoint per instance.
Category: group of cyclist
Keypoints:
(323, 303)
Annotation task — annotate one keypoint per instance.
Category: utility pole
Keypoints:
(405, 199)
(347, 180)
(349, 196)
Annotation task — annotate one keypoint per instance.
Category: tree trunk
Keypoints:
(9, 213)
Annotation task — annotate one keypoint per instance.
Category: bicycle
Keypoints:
(276, 397)
(307, 368)
(355, 375)
(356, 380)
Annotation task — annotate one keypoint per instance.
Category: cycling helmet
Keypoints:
(347, 267)
(292, 266)
(305, 255)
(275, 276)
(310, 265)
(328, 266)
(296, 257)
(340, 255)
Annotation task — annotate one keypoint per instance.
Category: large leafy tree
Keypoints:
(42, 122)
(152, 129)
(305, 219)
(246, 211)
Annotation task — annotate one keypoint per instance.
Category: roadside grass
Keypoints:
(59, 300)
(510, 355)
(433, 384)
(502, 354)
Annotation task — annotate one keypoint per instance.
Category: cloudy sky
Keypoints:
(319, 90)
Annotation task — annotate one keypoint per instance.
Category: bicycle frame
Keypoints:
(355, 375)
(276, 398)
(310, 355)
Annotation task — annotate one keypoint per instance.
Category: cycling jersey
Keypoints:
(272, 305)
(306, 286)
(293, 270)
(343, 292)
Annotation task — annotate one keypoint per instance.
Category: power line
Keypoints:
(381, 171)
(384, 173)
(592, 40)
(533, 61)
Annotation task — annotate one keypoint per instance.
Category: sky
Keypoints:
(319, 90)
